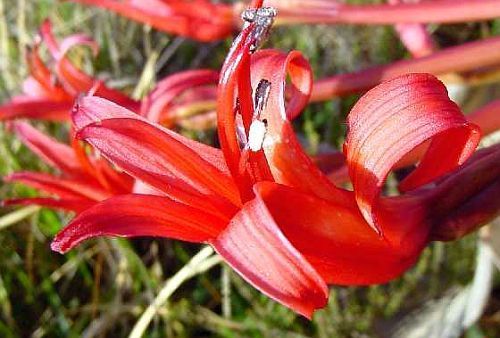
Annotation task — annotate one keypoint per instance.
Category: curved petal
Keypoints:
(75, 204)
(276, 66)
(255, 247)
(155, 155)
(337, 241)
(486, 117)
(41, 77)
(51, 151)
(139, 215)
(91, 109)
(230, 102)
(394, 118)
(59, 50)
(289, 164)
(155, 107)
(74, 80)
(67, 188)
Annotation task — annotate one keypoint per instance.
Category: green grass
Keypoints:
(102, 287)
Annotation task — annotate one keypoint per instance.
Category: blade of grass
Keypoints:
(201, 262)
(17, 216)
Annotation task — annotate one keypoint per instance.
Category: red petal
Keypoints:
(235, 109)
(338, 242)
(139, 215)
(158, 103)
(90, 109)
(332, 163)
(36, 108)
(392, 119)
(75, 80)
(232, 73)
(276, 66)
(288, 162)
(468, 197)
(117, 182)
(77, 205)
(51, 151)
(256, 248)
(42, 77)
(154, 155)
(67, 188)
(201, 20)
(57, 50)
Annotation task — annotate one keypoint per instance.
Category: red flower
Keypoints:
(82, 181)
(50, 95)
(197, 19)
(262, 203)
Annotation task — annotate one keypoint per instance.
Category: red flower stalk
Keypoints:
(82, 182)
(206, 21)
(50, 95)
(262, 203)
(466, 57)
(333, 12)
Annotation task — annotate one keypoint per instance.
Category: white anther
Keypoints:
(256, 135)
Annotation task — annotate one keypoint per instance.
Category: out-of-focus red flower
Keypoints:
(263, 204)
(48, 93)
(82, 181)
(199, 19)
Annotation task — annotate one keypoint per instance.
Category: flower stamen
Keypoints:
(263, 18)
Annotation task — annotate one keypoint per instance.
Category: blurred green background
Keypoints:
(101, 288)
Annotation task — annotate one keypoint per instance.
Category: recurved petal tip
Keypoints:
(59, 245)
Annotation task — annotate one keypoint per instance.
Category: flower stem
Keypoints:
(466, 57)
(332, 12)
(487, 117)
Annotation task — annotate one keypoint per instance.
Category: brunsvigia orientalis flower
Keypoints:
(49, 93)
(262, 203)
